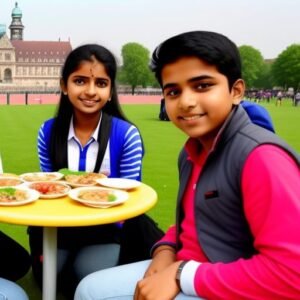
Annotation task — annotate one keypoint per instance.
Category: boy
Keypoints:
(238, 201)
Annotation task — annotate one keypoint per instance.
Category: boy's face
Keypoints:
(198, 99)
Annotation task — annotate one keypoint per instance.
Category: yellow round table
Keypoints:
(64, 212)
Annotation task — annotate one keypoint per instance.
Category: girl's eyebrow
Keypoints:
(191, 80)
(88, 77)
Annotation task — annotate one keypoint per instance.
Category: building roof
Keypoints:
(16, 12)
(41, 49)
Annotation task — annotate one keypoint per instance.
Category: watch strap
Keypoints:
(179, 270)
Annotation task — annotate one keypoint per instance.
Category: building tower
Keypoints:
(16, 27)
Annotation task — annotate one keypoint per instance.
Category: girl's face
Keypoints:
(88, 88)
(197, 97)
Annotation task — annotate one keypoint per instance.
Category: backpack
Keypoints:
(258, 115)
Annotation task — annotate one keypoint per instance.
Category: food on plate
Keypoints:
(41, 176)
(10, 194)
(97, 195)
(50, 188)
(8, 175)
(84, 179)
(10, 181)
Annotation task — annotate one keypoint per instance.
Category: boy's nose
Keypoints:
(188, 100)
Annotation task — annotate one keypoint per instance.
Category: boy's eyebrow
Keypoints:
(191, 80)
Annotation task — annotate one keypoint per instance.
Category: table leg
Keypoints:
(49, 263)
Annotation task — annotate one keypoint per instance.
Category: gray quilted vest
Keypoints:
(221, 225)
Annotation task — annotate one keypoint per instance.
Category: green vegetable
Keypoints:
(112, 197)
(66, 171)
(8, 191)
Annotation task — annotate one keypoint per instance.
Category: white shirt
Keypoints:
(75, 149)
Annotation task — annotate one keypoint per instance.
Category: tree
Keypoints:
(252, 64)
(286, 68)
(264, 80)
(135, 70)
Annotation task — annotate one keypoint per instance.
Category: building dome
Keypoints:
(16, 12)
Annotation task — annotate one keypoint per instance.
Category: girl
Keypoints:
(89, 133)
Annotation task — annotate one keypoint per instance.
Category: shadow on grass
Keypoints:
(32, 289)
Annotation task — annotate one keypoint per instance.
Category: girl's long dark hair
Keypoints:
(63, 115)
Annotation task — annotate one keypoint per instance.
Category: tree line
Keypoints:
(283, 72)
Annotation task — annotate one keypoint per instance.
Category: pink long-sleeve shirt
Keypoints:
(271, 197)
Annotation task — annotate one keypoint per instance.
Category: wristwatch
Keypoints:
(179, 271)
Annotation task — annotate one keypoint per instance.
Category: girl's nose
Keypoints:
(91, 89)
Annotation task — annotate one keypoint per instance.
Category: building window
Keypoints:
(7, 75)
(7, 56)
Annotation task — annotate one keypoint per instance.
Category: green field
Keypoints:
(18, 133)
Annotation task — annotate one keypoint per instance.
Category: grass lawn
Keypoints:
(18, 132)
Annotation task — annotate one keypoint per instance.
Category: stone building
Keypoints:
(29, 65)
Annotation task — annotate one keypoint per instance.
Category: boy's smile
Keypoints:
(198, 99)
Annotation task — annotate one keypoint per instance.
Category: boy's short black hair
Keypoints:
(214, 48)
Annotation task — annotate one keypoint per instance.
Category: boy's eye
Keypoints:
(172, 92)
(203, 85)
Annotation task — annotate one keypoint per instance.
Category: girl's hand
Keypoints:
(163, 257)
(159, 286)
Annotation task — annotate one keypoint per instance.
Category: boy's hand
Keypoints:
(159, 286)
(162, 258)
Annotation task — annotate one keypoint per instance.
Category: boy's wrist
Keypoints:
(186, 272)
(179, 272)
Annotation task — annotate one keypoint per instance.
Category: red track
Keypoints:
(19, 99)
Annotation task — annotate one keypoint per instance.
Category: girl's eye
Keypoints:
(102, 83)
(79, 81)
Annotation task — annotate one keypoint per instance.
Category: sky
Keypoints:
(269, 26)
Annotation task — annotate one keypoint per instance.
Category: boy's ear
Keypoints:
(63, 87)
(238, 90)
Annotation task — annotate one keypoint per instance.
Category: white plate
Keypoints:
(77, 185)
(32, 196)
(41, 176)
(9, 180)
(119, 183)
(49, 183)
(121, 197)
(93, 183)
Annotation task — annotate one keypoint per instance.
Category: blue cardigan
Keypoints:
(126, 149)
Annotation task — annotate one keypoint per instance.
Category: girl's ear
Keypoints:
(238, 90)
(63, 87)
